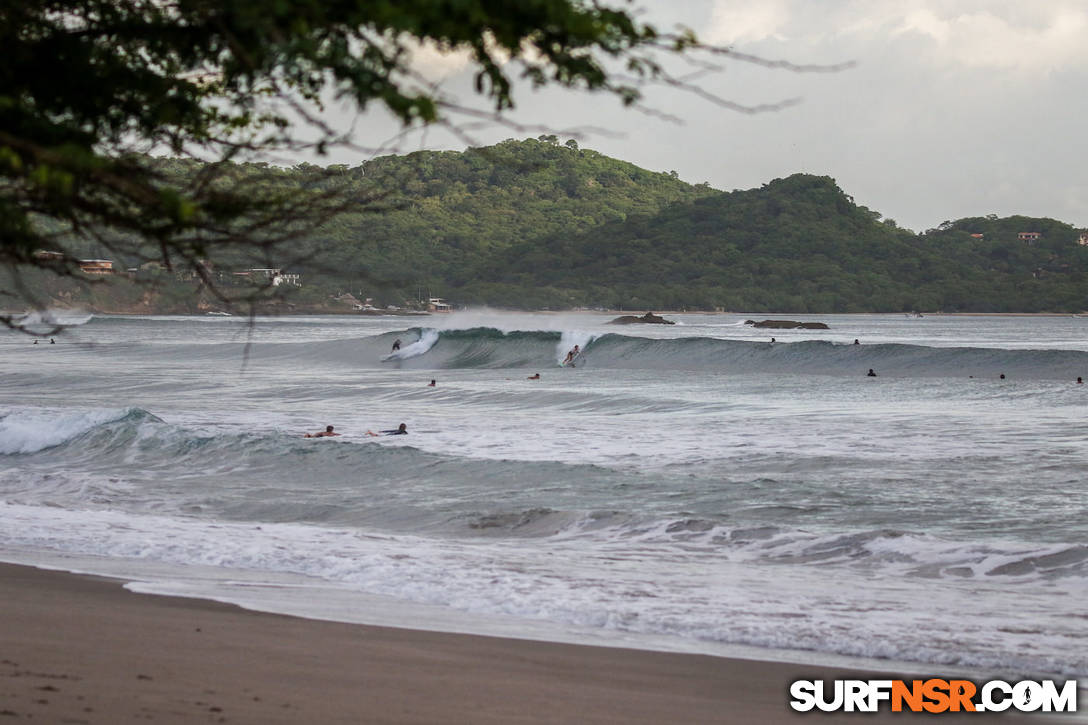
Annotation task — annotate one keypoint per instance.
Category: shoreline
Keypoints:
(80, 648)
(440, 315)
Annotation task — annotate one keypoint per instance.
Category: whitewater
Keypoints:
(694, 487)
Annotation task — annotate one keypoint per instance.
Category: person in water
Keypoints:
(327, 433)
(1079, 381)
(871, 374)
(430, 384)
(537, 377)
(856, 341)
(572, 354)
(402, 430)
(396, 344)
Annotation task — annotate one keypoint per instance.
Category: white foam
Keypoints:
(426, 341)
(808, 459)
(29, 430)
(569, 339)
(507, 321)
(54, 318)
(664, 591)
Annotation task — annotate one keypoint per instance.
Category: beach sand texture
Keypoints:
(78, 649)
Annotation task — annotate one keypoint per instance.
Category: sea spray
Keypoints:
(30, 430)
(493, 348)
(427, 338)
(569, 339)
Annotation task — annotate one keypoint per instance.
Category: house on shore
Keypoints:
(437, 304)
(43, 255)
(274, 275)
(96, 266)
(87, 266)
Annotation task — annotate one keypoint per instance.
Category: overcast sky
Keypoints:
(955, 107)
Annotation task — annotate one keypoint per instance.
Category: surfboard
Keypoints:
(398, 354)
(575, 361)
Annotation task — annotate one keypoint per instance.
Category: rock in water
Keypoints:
(649, 318)
(788, 325)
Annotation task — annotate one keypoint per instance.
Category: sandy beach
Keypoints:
(77, 649)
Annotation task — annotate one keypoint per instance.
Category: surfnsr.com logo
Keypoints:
(933, 696)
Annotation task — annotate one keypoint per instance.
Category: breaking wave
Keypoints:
(491, 348)
(47, 320)
(485, 347)
(132, 460)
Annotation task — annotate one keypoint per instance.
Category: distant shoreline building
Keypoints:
(274, 275)
(96, 266)
(87, 266)
(437, 304)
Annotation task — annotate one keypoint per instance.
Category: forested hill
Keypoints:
(542, 224)
(454, 211)
(536, 223)
(796, 244)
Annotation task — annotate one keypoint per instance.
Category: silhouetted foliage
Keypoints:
(89, 87)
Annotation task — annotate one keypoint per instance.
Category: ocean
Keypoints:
(692, 487)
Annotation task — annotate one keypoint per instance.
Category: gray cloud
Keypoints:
(955, 108)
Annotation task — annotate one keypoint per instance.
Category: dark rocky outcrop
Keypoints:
(649, 319)
(788, 325)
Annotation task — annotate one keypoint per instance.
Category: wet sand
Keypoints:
(77, 649)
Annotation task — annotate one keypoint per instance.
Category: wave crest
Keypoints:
(30, 430)
(486, 347)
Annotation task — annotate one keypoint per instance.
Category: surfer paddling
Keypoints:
(402, 430)
(327, 433)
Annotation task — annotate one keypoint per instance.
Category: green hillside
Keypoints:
(796, 244)
(539, 224)
(453, 211)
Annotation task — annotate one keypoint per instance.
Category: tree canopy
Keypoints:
(88, 87)
(798, 244)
